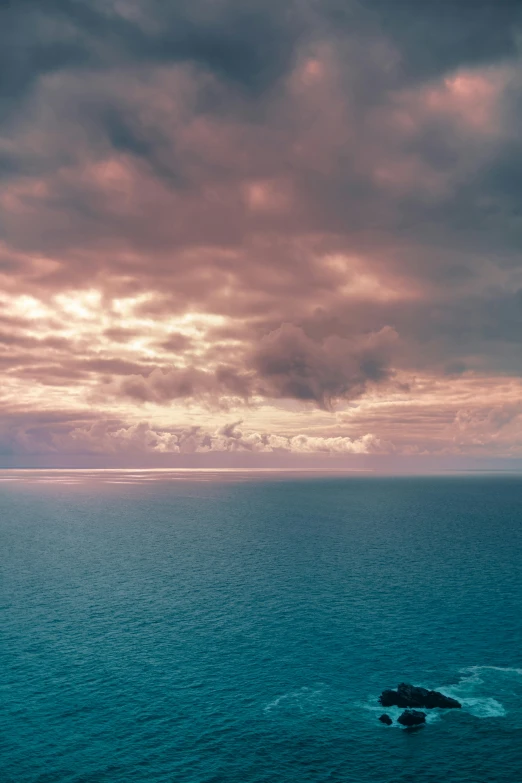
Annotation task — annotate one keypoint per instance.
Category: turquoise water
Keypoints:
(238, 628)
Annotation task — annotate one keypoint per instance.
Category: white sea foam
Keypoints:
(504, 669)
(485, 707)
(301, 700)
(473, 687)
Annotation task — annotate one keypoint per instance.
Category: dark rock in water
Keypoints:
(411, 696)
(386, 719)
(412, 718)
(389, 698)
(442, 702)
(436, 699)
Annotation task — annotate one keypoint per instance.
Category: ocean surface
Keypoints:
(239, 627)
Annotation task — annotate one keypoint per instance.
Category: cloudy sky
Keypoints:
(261, 233)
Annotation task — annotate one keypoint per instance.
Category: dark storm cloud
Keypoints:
(250, 46)
(289, 364)
(436, 37)
(35, 38)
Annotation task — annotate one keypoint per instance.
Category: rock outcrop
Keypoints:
(411, 696)
(386, 719)
(412, 718)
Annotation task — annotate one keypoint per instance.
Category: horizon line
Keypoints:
(340, 470)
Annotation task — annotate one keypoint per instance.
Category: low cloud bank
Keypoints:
(112, 438)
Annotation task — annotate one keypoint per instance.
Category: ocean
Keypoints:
(238, 627)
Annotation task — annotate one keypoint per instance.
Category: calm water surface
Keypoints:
(236, 628)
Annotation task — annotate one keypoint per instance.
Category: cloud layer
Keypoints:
(304, 216)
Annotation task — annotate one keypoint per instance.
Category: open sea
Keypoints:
(238, 627)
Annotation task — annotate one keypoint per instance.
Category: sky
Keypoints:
(261, 233)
